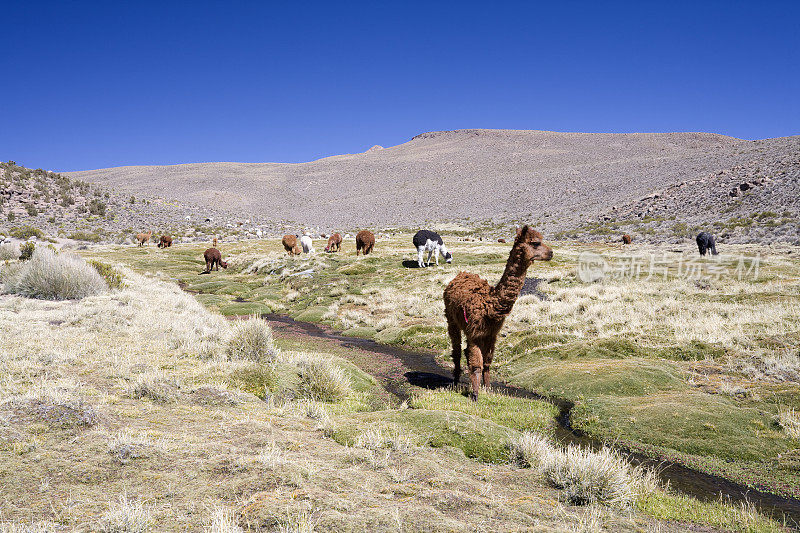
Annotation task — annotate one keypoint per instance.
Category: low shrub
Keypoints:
(83, 236)
(51, 276)
(26, 251)
(126, 516)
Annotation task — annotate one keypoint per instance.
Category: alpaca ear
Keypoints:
(522, 231)
(519, 231)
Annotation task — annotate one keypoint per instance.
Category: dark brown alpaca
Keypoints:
(213, 258)
(290, 245)
(365, 240)
(334, 243)
(165, 241)
(627, 239)
(471, 305)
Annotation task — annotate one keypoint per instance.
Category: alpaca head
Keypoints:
(223, 264)
(530, 242)
(448, 257)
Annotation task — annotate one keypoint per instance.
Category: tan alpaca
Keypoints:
(214, 243)
(290, 245)
(144, 237)
(471, 305)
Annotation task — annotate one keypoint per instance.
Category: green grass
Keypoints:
(516, 413)
(478, 438)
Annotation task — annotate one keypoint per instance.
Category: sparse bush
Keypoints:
(322, 380)
(126, 516)
(97, 207)
(26, 232)
(252, 340)
(31, 209)
(84, 236)
(51, 276)
(110, 274)
(26, 251)
(11, 217)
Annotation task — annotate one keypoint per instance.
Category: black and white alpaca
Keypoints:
(430, 241)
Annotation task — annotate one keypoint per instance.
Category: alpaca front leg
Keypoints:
(475, 360)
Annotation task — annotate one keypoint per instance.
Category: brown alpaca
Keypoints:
(471, 305)
(334, 243)
(144, 237)
(213, 259)
(165, 241)
(214, 243)
(501, 240)
(365, 241)
(290, 245)
(626, 239)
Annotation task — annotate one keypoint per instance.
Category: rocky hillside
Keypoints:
(565, 183)
(43, 203)
(755, 201)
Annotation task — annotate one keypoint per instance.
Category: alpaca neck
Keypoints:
(510, 285)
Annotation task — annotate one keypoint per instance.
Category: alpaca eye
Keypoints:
(537, 244)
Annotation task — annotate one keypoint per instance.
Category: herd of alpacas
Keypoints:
(472, 307)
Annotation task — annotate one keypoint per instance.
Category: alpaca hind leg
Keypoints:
(455, 339)
(475, 361)
(420, 256)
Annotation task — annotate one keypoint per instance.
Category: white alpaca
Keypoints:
(307, 244)
(430, 241)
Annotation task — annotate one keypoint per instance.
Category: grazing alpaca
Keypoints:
(290, 245)
(213, 259)
(365, 241)
(705, 241)
(430, 241)
(307, 244)
(626, 239)
(334, 243)
(501, 240)
(144, 237)
(165, 241)
(479, 310)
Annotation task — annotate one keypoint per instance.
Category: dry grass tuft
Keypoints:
(789, 420)
(224, 521)
(587, 477)
(126, 516)
(322, 380)
(37, 527)
(9, 252)
(51, 276)
(157, 387)
(251, 340)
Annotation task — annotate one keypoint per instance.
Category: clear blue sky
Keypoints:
(90, 85)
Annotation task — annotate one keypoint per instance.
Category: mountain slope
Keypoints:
(558, 180)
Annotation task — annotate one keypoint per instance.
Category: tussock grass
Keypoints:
(322, 380)
(126, 516)
(20, 527)
(155, 386)
(251, 340)
(789, 420)
(393, 438)
(585, 476)
(51, 276)
(224, 521)
(9, 251)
